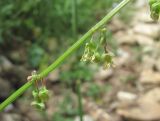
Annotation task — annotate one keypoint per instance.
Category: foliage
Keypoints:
(77, 71)
(96, 52)
(155, 9)
(129, 13)
(95, 91)
(35, 55)
(58, 117)
(26, 17)
(67, 105)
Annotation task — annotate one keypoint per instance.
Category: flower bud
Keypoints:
(96, 58)
(35, 94)
(107, 60)
(43, 94)
(38, 105)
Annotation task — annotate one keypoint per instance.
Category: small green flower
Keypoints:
(103, 36)
(43, 94)
(35, 94)
(107, 60)
(38, 105)
(40, 95)
(94, 51)
(88, 52)
(96, 58)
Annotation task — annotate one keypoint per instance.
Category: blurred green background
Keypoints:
(44, 27)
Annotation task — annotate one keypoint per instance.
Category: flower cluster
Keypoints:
(40, 95)
(155, 9)
(95, 51)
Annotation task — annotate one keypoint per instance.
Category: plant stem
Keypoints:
(61, 59)
(75, 36)
(80, 106)
(74, 19)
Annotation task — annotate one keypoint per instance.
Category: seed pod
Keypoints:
(35, 94)
(103, 36)
(43, 94)
(107, 60)
(92, 45)
(38, 105)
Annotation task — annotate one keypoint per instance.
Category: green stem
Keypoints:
(75, 36)
(74, 19)
(80, 106)
(61, 59)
